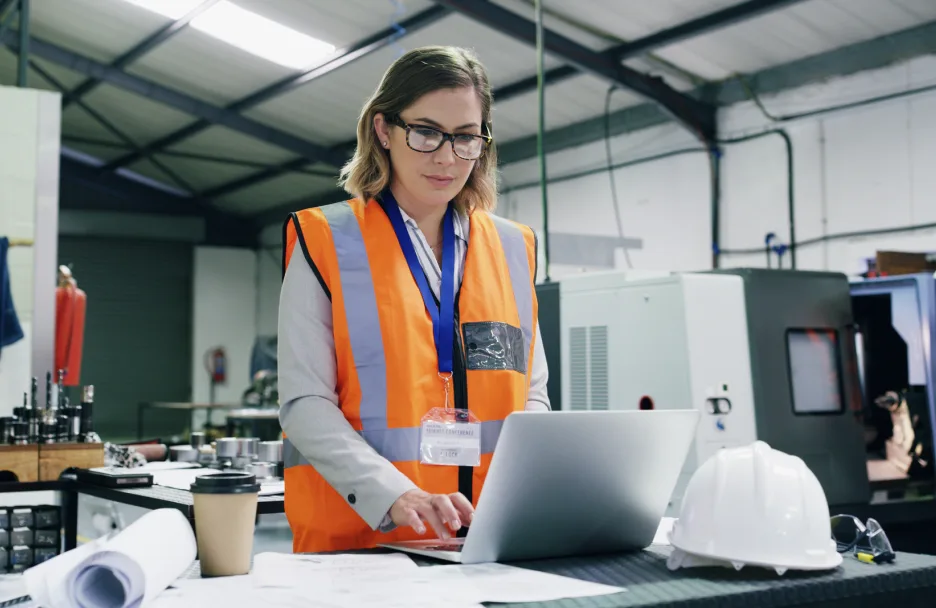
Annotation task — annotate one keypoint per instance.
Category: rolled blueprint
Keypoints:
(123, 570)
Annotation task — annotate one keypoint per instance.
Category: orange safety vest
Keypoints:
(387, 365)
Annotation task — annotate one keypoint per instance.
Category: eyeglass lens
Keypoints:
(850, 534)
(877, 539)
(424, 139)
(846, 530)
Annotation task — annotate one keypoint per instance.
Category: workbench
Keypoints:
(153, 497)
(909, 582)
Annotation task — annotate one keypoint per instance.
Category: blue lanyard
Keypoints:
(443, 316)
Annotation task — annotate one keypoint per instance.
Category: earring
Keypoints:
(385, 144)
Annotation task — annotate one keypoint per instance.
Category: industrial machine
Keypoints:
(764, 354)
(895, 334)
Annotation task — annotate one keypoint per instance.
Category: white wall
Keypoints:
(269, 279)
(29, 164)
(224, 314)
(855, 170)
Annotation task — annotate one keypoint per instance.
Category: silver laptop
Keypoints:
(572, 483)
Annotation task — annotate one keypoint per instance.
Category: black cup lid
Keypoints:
(231, 482)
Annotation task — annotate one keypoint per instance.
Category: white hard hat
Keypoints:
(754, 506)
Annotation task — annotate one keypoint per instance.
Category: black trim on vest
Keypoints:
(535, 258)
(460, 396)
(305, 252)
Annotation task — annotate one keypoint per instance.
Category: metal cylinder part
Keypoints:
(197, 439)
(227, 447)
(270, 451)
(263, 470)
(247, 446)
(206, 455)
(183, 453)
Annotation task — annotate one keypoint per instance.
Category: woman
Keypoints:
(407, 321)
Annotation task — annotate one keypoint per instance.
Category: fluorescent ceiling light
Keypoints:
(247, 31)
(173, 9)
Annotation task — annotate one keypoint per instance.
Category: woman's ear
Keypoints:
(382, 129)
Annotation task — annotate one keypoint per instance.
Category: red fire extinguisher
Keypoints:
(216, 366)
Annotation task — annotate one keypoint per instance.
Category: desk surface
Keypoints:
(159, 497)
(153, 497)
(169, 405)
(911, 581)
(650, 583)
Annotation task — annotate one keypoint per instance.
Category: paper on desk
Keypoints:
(182, 479)
(166, 465)
(508, 584)
(394, 580)
(227, 591)
(286, 570)
(364, 581)
(127, 569)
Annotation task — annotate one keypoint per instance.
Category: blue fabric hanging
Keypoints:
(10, 330)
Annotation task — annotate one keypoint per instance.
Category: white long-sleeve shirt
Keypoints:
(309, 412)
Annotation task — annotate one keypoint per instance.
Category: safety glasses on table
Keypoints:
(868, 541)
(423, 138)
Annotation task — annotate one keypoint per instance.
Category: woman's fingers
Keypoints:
(446, 510)
(463, 506)
(413, 520)
(428, 513)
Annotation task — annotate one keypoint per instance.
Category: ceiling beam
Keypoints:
(278, 214)
(256, 178)
(697, 116)
(172, 98)
(145, 46)
(678, 33)
(337, 60)
(868, 55)
(83, 187)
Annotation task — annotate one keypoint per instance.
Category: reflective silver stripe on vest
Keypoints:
(363, 320)
(291, 456)
(398, 445)
(515, 251)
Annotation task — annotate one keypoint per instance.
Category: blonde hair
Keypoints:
(413, 75)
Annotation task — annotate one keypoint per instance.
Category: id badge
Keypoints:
(450, 437)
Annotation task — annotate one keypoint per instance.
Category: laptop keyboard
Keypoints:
(446, 547)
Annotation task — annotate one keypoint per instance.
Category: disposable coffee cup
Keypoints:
(225, 514)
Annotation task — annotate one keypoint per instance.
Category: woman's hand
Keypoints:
(442, 511)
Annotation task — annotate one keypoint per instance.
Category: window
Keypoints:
(815, 376)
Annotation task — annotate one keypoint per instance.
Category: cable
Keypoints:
(541, 129)
(614, 197)
(841, 236)
(791, 192)
(836, 108)
(602, 169)
(399, 10)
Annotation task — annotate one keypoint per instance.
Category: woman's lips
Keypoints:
(440, 180)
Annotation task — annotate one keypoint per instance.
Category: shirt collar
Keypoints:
(461, 224)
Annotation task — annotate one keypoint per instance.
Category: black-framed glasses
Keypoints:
(423, 138)
(867, 541)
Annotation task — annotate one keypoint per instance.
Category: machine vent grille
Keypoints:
(578, 368)
(598, 366)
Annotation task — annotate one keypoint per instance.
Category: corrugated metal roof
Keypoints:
(277, 191)
(100, 29)
(141, 119)
(578, 98)
(216, 139)
(325, 111)
(802, 30)
(207, 68)
(339, 22)
(201, 174)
